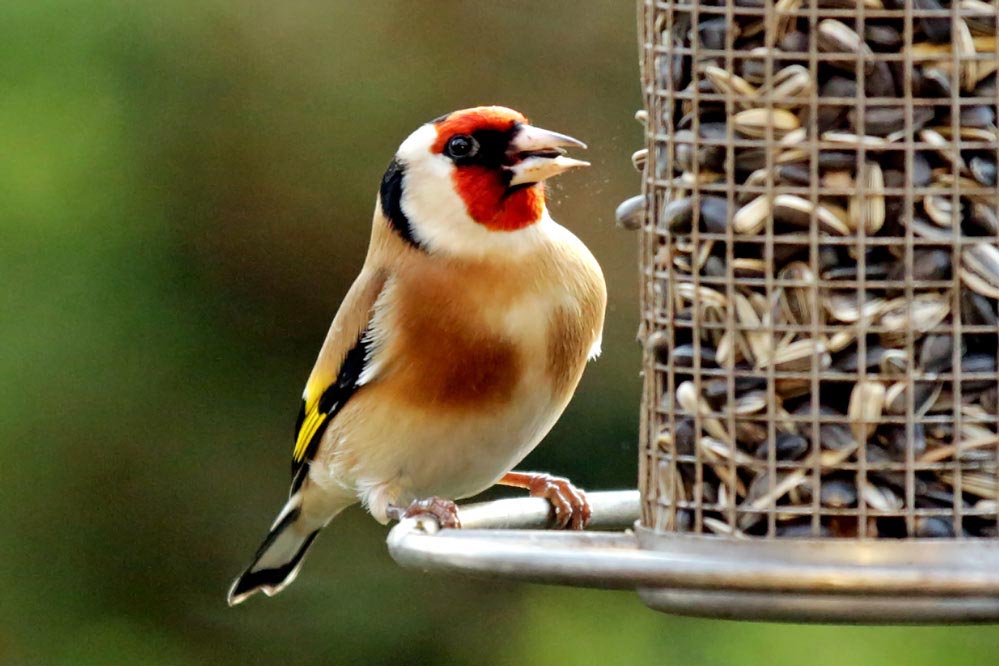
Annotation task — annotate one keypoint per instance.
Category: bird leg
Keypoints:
(442, 510)
(568, 502)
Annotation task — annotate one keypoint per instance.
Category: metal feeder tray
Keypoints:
(883, 582)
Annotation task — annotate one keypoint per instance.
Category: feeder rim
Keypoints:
(497, 542)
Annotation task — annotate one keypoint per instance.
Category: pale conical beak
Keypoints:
(536, 154)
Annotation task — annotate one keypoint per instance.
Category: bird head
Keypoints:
(472, 180)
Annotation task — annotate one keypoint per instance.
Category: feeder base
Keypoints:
(794, 580)
(820, 608)
(828, 580)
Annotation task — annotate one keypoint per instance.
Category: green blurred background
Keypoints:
(185, 193)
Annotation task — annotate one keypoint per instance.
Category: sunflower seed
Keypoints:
(882, 37)
(936, 353)
(852, 360)
(801, 356)
(714, 32)
(838, 494)
(942, 210)
(927, 265)
(983, 170)
(881, 498)
(978, 310)
(757, 123)
(714, 214)
(639, 158)
(796, 298)
(797, 211)
(788, 446)
(981, 268)
(789, 88)
(677, 215)
(730, 84)
(686, 356)
(631, 213)
(934, 527)
(935, 27)
(867, 207)
(836, 37)
(751, 218)
(899, 440)
(867, 403)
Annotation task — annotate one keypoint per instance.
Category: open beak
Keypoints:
(535, 154)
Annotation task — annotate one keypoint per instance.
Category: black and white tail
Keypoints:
(280, 555)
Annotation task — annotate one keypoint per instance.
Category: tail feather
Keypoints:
(279, 557)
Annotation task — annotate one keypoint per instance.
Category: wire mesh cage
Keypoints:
(820, 282)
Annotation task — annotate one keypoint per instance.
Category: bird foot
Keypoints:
(568, 502)
(442, 510)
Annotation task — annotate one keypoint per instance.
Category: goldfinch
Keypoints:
(456, 349)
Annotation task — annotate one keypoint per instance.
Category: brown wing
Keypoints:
(335, 376)
(337, 373)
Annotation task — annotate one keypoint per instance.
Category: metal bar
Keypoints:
(820, 608)
(612, 510)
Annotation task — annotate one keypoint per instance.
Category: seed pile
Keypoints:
(823, 314)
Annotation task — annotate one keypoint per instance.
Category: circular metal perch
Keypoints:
(833, 580)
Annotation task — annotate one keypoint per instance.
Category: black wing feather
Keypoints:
(331, 402)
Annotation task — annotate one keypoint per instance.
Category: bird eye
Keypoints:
(461, 146)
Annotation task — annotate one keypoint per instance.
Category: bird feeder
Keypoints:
(820, 277)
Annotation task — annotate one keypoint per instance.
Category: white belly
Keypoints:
(385, 455)
(464, 458)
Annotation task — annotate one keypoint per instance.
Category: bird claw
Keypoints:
(442, 510)
(568, 502)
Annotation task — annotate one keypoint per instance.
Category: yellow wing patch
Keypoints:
(338, 370)
(323, 400)
(310, 425)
